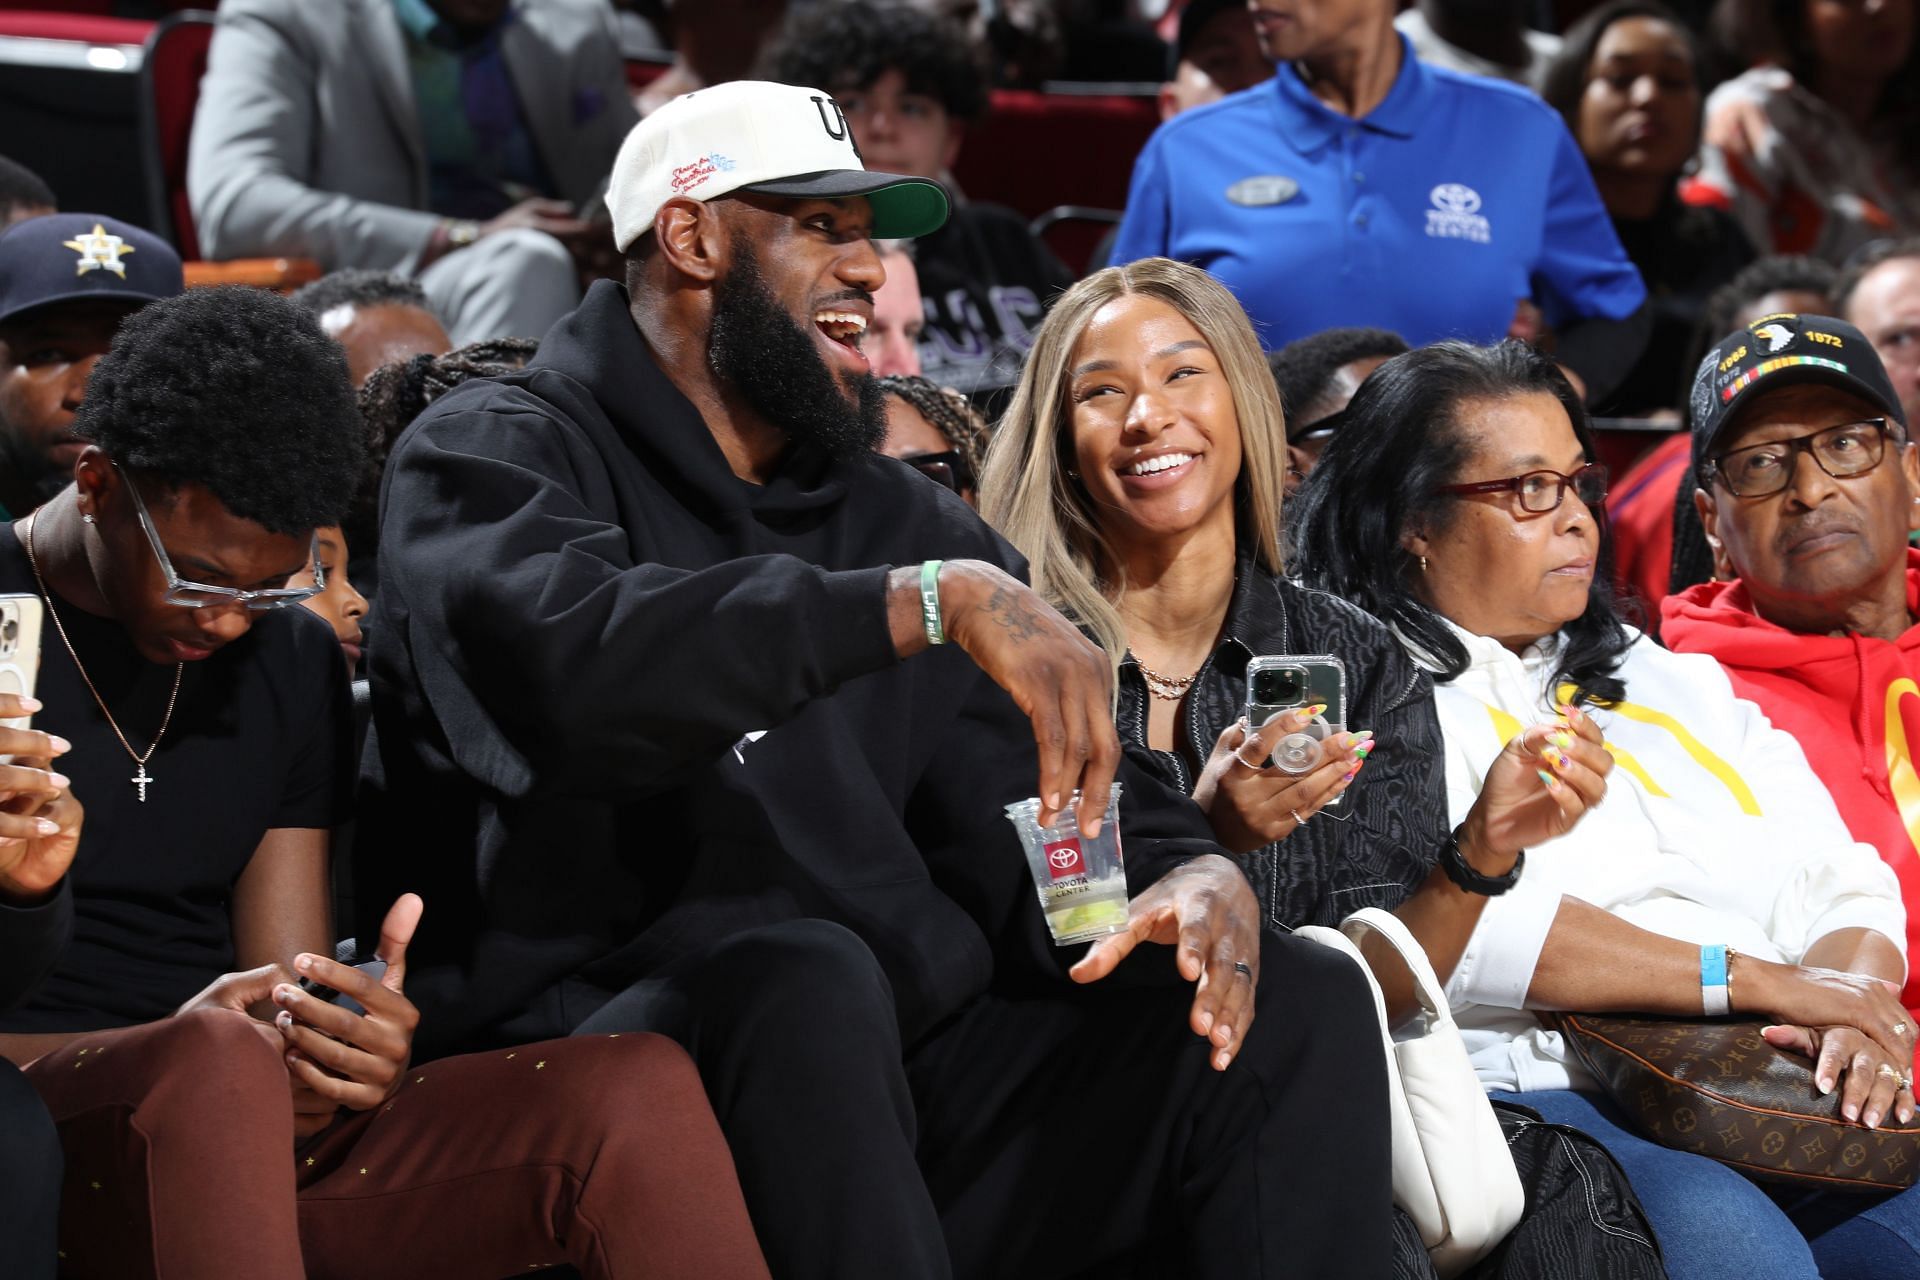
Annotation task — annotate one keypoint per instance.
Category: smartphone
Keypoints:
(1286, 682)
(20, 621)
(375, 969)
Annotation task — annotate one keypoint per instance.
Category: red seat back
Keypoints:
(1035, 151)
(176, 58)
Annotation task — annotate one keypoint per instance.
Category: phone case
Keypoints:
(1323, 679)
(20, 621)
(1326, 682)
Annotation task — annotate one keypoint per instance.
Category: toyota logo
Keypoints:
(1063, 857)
(1452, 197)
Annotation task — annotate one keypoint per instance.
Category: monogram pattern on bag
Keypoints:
(1718, 1089)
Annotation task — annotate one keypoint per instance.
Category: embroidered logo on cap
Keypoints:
(1778, 336)
(99, 251)
(688, 176)
(836, 127)
(1456, 214)
(1733, 386)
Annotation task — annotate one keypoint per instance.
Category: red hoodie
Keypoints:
(1834, 694)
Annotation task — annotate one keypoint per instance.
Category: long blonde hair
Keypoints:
(1025, 491)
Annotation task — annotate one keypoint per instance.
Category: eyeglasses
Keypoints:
(1320, 428)
(1542, 491)
(1844, 451)
(947, 468)
(199, 595)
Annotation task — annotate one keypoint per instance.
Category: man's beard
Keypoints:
(756, 348)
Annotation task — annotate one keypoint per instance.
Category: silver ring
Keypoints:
(1241, 760)
(1899, 1028)
(1242, 968)
(1298, 821)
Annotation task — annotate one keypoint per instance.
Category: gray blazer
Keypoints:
(308, 143)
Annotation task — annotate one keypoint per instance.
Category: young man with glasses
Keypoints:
(1809, 488)
(216, 1118)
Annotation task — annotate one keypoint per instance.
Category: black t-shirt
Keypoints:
(261, 738)
(1684, 253)
(986, 283)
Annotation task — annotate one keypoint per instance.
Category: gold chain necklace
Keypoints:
(142, 778)
(1166, 688)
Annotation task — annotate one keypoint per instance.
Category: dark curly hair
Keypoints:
(392, 397)
(235, 389)
(1304, 368)
(357, 288)
(947, 411)
(1381, 475)
(850, 45)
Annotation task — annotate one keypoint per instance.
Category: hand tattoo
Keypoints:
(1012, 614)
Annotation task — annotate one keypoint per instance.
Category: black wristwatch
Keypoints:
(1461, 872)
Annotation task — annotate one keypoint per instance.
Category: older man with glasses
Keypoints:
(1809, 490)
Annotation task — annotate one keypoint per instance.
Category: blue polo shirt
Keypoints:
(1432, 216)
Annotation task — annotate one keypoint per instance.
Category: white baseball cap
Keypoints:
(754, 135)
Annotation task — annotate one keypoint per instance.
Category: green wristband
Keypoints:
(930, 601)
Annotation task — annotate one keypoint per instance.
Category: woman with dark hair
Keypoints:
(1627, 82)
(1140, 470)
(1459, 507)
(1815, 147)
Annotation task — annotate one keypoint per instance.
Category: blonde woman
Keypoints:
(1139, 469)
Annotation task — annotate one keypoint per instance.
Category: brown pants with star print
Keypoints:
(598, 1152)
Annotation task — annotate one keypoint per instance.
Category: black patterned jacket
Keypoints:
(1376, 847)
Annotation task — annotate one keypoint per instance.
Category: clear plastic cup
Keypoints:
(1081, 880)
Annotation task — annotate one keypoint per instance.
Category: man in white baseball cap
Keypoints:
(765, 139)
(697, 716)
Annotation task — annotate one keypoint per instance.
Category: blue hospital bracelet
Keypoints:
(1715, 998)
(930, 601)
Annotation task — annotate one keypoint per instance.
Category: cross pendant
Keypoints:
(141, 780)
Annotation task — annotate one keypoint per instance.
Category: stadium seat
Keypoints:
(175, 59)
(1038, 151)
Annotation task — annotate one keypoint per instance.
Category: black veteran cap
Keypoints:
(1779, 351)
(66, 256)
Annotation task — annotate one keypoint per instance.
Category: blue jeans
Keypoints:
(1716, 1224)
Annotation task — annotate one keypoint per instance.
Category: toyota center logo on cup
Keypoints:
(1065, 859)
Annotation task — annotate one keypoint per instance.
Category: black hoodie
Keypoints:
(586, 623)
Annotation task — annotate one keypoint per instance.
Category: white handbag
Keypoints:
(1452, 1172)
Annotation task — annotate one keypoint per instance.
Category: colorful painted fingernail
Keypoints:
(1552, 783)
(1317, 709)
(1562, 740)
(1554, 756)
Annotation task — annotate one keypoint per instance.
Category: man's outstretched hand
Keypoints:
(1058, 678)
(1207, 910)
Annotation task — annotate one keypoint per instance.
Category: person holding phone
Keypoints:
(1461, 506)
(1140, 469)
(1148, 505)
(701, 716)
(217, 1119)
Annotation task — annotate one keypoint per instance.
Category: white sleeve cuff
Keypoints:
(1497, 966)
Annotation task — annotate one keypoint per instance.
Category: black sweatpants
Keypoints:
(1039, 1135)
(30, 1169)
